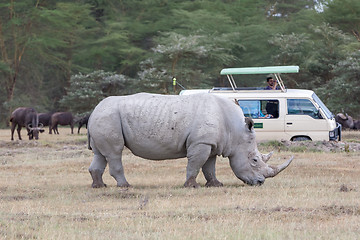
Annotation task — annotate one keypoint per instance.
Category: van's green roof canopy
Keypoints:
(260, 70)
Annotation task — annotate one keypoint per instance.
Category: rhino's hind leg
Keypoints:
(209, 172)
(97, 179)
(116, 170)
(96, 170)
(197, 156)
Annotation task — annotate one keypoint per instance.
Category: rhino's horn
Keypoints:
(266, 157)
(278, 169)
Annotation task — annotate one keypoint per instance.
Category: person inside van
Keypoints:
(253, 109)
(261, 115)
(272, 108)
(271, 84)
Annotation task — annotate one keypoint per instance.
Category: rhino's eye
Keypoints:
(254, 162)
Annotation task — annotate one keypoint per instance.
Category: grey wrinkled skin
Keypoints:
(158, 127)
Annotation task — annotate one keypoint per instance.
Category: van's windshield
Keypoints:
(327, 112)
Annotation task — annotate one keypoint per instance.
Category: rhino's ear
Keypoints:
(249, 123)
(236, 102)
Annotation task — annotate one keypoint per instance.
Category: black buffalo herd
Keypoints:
(35, 122)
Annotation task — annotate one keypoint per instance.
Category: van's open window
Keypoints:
(260, 108)
(302, 107)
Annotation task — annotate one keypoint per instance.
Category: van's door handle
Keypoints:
(289, 123)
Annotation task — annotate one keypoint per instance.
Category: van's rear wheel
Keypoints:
(301, 139)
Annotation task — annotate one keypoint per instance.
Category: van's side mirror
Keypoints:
(319, 115)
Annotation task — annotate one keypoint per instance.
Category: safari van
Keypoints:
(284, 114)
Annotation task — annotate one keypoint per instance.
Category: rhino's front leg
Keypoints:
(197, 156)
(96, 169)
(116, 170)
(209, 172)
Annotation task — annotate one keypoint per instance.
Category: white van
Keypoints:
(284, 114)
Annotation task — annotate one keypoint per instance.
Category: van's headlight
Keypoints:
(332, 134)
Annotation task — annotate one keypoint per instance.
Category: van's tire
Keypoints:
(301, 139)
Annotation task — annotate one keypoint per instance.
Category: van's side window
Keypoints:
(260, 108)
(272, 107)
(302, 107)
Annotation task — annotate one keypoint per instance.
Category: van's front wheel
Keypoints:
(302, 138)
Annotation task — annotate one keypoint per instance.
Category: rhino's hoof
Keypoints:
(98, 185)
(124, 185)
(191, 183)
(214, 183)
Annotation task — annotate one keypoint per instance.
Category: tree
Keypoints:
(44, 43)
(345, 14)
(329, 46)
(108, 48)
(87, 90)
(37, 39)
(62, 31)
(317, 52)
(16, 28)
(342, 92)
(288, 8)
(183, 57)
(292, 50)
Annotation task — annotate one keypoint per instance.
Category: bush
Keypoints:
(86, 91)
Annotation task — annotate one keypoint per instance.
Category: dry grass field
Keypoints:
(45, 193)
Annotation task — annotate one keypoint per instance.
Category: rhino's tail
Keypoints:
(88, 135)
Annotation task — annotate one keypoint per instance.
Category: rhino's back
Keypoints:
(158, 126)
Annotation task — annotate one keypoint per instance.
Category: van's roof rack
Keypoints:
(237, 88)
(276, 70)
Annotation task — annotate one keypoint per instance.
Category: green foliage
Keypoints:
(287, 8)
(319, 51)
(183, 57)
(87, 90)
(173, 53)
(44, 43)
(343, 91)
(344, 14)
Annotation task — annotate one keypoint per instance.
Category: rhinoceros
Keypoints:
(158, 127)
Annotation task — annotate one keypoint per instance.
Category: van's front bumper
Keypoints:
(335, 134)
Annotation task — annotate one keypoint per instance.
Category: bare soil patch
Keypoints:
(311, 146)
(350, 143)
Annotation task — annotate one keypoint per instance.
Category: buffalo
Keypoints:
(83, 121)
(26, 117)
(357, 124)
(62, 118)
(346, 121)
(45, 119)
